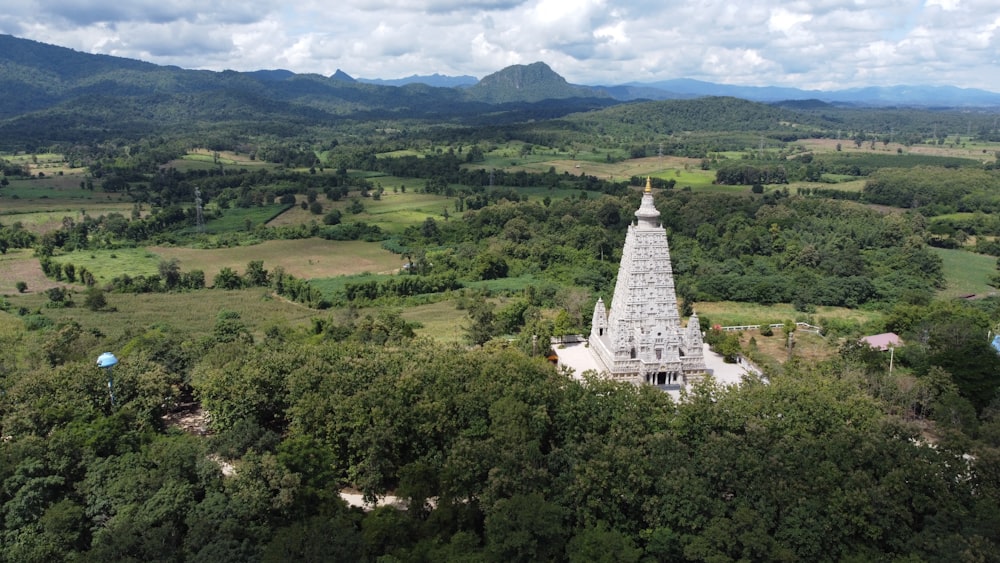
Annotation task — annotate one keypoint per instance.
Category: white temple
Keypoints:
(641, 339)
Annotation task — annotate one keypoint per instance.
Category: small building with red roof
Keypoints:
(883, 341)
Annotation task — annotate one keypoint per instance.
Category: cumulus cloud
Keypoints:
(803, 43)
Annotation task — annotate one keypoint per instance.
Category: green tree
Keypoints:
(256, 275)
(227, 278)
(170, 273)
(483, 326)
(95, 299)
(525, 528)
(600, 544)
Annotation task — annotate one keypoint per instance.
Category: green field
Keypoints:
(239, 218)
(731, 313)
(42, 219)
(440, 321)
(108, 264)
(396, 211)
(966, 273)
(311, 258)
(62, 189)
(192, 312)
(333, 285)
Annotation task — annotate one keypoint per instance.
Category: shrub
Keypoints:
(36, 322)
(21, 286)
(95, 299)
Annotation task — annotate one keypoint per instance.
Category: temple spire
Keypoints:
(641, 339)
(647, 213)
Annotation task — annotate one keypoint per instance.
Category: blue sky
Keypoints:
(811, 44)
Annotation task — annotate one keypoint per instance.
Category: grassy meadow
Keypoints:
(19, 265)
(732, 313)
(966, 273)
(303, 258)
(192, 312)
(440, 321)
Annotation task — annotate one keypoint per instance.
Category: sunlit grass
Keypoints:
(966, 273)
(733, 313)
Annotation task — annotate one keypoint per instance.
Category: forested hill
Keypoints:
(527, 83)
(702, 114)
(42, 83)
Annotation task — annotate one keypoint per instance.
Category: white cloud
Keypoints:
(806, 43)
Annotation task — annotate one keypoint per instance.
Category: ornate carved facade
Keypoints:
(641, 339)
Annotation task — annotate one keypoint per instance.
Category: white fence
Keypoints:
(805, 327)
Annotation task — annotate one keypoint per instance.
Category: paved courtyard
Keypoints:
(578, 357)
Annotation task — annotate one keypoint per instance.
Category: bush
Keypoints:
(95, 299)
(36, 322)
(21, 286)
(332, 218)
(227, 279)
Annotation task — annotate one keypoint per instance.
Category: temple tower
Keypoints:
(641, 339)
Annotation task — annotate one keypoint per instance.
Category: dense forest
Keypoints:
(496, 456)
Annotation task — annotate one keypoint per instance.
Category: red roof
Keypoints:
(883, 341)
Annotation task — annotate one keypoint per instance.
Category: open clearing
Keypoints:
(304, 258)
(38, 219)
(806, 345)
(191, 312)
(966, 273)
(977, 152)
(731, 313)
(21, 265)
(665, 167)
(393, 213)
(440, 321)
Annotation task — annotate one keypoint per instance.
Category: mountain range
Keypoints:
(36, 73)
(685, 88)
(54, 94)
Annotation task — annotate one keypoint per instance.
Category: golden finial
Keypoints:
(649, 185)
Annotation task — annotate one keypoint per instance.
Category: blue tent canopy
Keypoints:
(106, 360)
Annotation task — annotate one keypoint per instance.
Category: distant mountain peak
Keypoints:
(521, 76)
(341, 75)
(527, 83)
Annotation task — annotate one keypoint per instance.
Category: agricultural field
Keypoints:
(807, 346)
(194, 312)
(204, 159)
(49, 164)
(303, 258)
(108, 264)
(331, 285)
(966, 273)
(396, 211)
(44, 220)
(732, 313)
(441, 321)
(57, 190)
(241, 219)
(21, 265)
